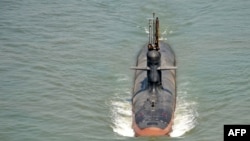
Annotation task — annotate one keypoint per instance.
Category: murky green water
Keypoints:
(64, 67)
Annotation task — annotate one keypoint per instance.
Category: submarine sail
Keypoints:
(154, 91)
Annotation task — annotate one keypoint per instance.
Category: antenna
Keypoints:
(157, 34)
(153, 33)
(149, 33)
(153, 29)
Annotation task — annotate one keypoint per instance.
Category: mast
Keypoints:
(157, 34)
(153, 33)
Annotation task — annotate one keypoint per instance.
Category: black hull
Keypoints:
(153, 105)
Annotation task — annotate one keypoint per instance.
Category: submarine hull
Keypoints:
(153, 105)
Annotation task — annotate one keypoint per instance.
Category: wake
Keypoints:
(185, 116)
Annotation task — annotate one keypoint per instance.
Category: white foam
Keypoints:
(164, 32)
(121, 77)
(163, 39)
(184, 118)
(122, 118)
(146, 30)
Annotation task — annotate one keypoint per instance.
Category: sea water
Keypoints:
(64, 67)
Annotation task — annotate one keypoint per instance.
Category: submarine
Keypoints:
(154, 90)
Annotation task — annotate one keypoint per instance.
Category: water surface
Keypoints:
(64, 67)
